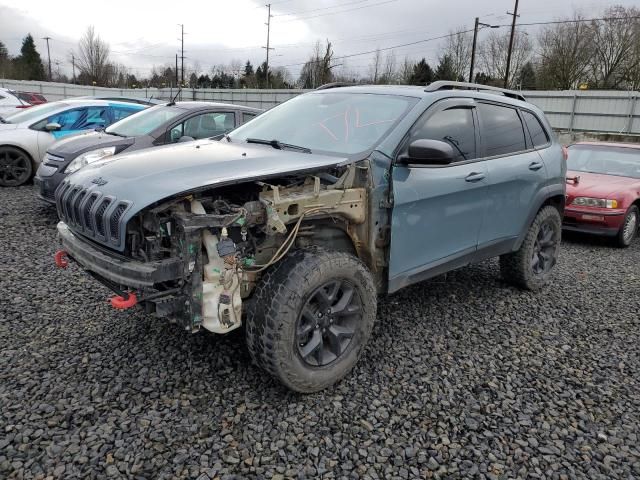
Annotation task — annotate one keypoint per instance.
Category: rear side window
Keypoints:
(453, 126)
(247, 116)
(501, 130)
(536, 130)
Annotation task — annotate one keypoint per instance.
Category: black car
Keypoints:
(160, 125)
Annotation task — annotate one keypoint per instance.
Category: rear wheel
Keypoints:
(530, 267)
(310, 318)
(629, 228)
(15, 167)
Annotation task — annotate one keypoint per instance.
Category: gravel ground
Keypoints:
(465, 377)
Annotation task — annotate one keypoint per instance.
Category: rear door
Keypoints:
(516, 174)
(438, 209)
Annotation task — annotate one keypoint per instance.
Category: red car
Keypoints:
(603, 190)
(32, 98)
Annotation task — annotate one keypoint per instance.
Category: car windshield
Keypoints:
(35, 113)
(144, 122)
(607, 160)
(333, 123)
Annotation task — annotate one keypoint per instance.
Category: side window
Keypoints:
(119, 113)
(501, 130)
(247, 116)
(66, 119)
(204, 126)
(536, 130)
(454, 126)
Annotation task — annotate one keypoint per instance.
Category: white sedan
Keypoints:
(25, 136)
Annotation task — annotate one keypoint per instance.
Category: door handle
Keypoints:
(474, 177)
(535, 166)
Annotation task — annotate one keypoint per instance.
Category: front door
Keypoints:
(438, 210)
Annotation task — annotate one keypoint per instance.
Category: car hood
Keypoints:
(83, 142)
(597, 185)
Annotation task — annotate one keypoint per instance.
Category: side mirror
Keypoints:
(185, 138)
(52, 127)
(428, 152)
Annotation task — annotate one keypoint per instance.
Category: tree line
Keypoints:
(564, 54)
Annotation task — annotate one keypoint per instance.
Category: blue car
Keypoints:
(26, 136)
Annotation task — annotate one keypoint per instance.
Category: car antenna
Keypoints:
(173, 100)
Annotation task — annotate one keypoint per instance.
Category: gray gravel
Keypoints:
(465, 377)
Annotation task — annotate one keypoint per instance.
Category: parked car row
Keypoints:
(12, 101)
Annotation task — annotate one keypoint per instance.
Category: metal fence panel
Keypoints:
(579, 110)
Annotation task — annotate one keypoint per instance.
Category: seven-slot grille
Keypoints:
(91, 213)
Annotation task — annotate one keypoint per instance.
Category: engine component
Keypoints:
(221, 302)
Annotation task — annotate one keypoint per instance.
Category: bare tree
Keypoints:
(376, 66)
(564, 54)
(405, 73)
(389, 71)
(458, 48)
(493, 55)
(615, 46)
(93, 57)
(317, 70)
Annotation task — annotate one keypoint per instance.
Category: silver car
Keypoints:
(25, 136)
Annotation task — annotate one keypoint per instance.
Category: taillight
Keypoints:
(565, 153)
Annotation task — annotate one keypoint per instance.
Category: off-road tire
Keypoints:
(516, 267)
(622, 240)
(276, 306)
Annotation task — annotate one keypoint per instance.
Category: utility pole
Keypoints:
(176, 70)
(513, 31)
(181, 54)
(73, 67)
(268, 24)
(473, 48)
(48, 54)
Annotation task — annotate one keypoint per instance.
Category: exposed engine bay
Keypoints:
(227, 237)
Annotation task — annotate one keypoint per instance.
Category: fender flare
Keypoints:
(543, 197)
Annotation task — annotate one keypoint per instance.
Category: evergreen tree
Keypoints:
(422, 73)
(248, 69)
(445, 69)
(5, 62)
(527, 77)
(29, 63)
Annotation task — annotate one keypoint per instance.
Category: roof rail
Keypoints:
(327, 86)
(449, 85)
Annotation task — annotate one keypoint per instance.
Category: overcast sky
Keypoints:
(219, 31)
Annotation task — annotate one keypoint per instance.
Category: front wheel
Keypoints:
(311, 317)
(629, 228)
(15, 167)
(530, 267)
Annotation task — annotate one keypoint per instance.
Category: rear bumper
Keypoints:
(124, 272)
(594, 221)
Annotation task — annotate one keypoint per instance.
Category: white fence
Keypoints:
(571, 111)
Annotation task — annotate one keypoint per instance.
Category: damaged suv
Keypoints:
(292, 224)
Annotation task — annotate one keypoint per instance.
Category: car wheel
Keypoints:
(15, 167)
(311, 316)
(530, 267)
(629, 228)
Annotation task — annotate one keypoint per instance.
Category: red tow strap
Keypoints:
(60, 257)
(121, 304)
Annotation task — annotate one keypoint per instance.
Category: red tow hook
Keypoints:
(60, 257)
(123, 303)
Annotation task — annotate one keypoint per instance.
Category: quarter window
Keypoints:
(501, 130)
(247, 116)
(536, 130)
(453, 126)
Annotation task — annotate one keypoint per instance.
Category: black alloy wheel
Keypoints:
(15, 167)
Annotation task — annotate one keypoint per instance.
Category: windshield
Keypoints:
(144, 122)
(35, 113)
(334, 123)
(607, 160)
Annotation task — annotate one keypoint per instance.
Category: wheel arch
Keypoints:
(556, 199)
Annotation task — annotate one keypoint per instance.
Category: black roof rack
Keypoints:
(326, 86)
(447, 85)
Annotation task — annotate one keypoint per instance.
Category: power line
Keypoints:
(341, 11)
(318, 9)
